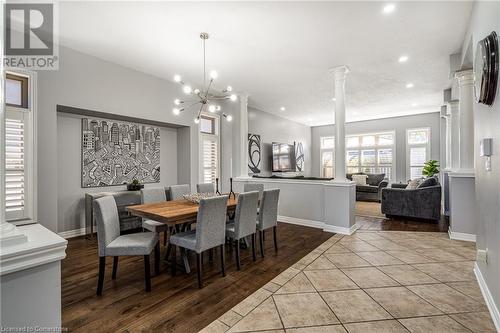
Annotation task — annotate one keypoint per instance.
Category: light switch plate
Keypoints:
(482, 256)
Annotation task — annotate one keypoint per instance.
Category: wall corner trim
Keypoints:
(72, 233)
(490, 302)
(461, 236)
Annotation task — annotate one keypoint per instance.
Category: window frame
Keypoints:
(426, 145)
(326, 150)
(29, 117)
(24, 89)
(215, 137)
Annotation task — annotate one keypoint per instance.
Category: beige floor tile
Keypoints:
(215, 327)
(445, 272)
(354, 306)
(384, 326)
(300, 310)
(270, 331)
(306, 260)
(342, 260)
(401, 303)
(441, 255)
(379, 258)
(271, 286)
(407, 275)
(337, 248)
(469, 288)
(466, 252)
(318, 329)
(285, 276)
(330, 280)
(298, 284)
(321, 263)
(479, 322)
(446, 298)
(436, 324)
(368, 236)
(263, 317)
(369, 277)
(410, 257)
(230, 318)
(249, 303)
(359, 245)
(386, 244)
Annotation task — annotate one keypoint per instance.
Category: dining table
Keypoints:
(178, 214)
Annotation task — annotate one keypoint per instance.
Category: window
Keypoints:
(210, 149)
(371, 153)
(417, 151)
(327, 156)
(19, 151)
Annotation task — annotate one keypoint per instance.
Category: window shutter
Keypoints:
(14, 168)
(210, 154)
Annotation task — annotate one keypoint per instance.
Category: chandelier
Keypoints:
(205, 98)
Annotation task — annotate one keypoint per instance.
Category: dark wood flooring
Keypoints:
(175, 304)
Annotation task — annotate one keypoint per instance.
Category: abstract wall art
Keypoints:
(254, 153)
(115, 153)
(299, 157)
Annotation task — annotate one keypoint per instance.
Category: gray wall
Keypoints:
(271, 129)
(70, 201)
(397, 124)
(486, 18)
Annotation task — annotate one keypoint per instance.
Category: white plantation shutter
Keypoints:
(210, 158)
(417, 151)
(15, 178)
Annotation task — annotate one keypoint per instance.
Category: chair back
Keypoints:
(153, 194)
(245, 216)
(268, 210)
(254, 187)
(205, 188)
(177, 191)
(107, 220)
(211, 223)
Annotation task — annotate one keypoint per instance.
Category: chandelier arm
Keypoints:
(191, 105)
(219, 98)
(199, 112)
(208, 89)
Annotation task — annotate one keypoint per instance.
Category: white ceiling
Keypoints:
(280, 52)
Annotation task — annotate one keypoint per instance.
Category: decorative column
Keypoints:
(466, 101)
(243, 137)
(453, 107)
(340, 74)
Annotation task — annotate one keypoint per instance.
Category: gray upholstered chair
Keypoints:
(254, 187)
(177, 191)
(243, 224)
(209, 233)
(111, 244)
(205, 188)
(151, 195)
(268, 216)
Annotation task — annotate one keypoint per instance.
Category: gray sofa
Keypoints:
(375, 182)
(423, 202)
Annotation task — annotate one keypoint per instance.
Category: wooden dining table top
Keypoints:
(173, 212)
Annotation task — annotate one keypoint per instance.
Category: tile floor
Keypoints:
(371, 281)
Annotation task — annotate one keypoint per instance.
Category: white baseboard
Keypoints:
(490, 302)
(319, 225)
(461, 236)
(72, 233)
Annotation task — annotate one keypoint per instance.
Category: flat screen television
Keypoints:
(283, 157)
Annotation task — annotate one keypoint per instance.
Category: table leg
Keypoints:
(185, 260)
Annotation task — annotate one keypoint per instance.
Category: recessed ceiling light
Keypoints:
(282, 108)
(403, 58)
(409, 85)
(334, 99)
(414, 105)
(389, 8)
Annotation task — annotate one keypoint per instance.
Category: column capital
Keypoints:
(453, 105)
(465, 77)
(339, 72)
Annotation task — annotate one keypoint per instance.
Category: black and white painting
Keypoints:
(299, 157)
(115, 153)
(254, 154)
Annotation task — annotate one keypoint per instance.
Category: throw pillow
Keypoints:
(413, 184)
(431, 181)
(360, 179)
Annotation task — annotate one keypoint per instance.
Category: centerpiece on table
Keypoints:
(135, 185)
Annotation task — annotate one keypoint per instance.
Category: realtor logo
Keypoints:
(29, 36)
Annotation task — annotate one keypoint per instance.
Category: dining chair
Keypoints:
(177, 191)
(112, 244)
(254, 187)
(268, 216)
(209, 233)
(205, 188)
(151, 195)
(243, 224)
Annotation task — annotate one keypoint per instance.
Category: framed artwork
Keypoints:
(254, 153)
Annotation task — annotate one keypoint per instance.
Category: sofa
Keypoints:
(423, 202)
(375, 182)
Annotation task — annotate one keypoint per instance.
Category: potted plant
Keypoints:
(431, 168)
(135, 185)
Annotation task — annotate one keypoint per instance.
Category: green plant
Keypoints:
(431, 168)
(135, 182)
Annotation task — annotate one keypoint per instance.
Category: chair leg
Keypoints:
(275, 239)
(211, 255)
(169, 246)
(100, 280)
(147, 273)
(115, 268)
(261, 238)
(157, 259)
(165, 238)
(222, 260)
(199, 257)
(173, 261)
(254, 255)
(264, 234)
(238, 263)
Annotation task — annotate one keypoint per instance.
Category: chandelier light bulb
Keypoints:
(211, 108)
(217, 108)
(196, 91)
(187, 89)
(177, 101)
(197, 120)
(229, 88)
(229, 117)
(177, 78)
(176, 111)
(213, 75)
(233, 97)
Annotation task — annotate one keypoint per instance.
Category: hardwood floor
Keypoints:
(175, 304)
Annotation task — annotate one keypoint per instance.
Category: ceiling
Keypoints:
(280, 52)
